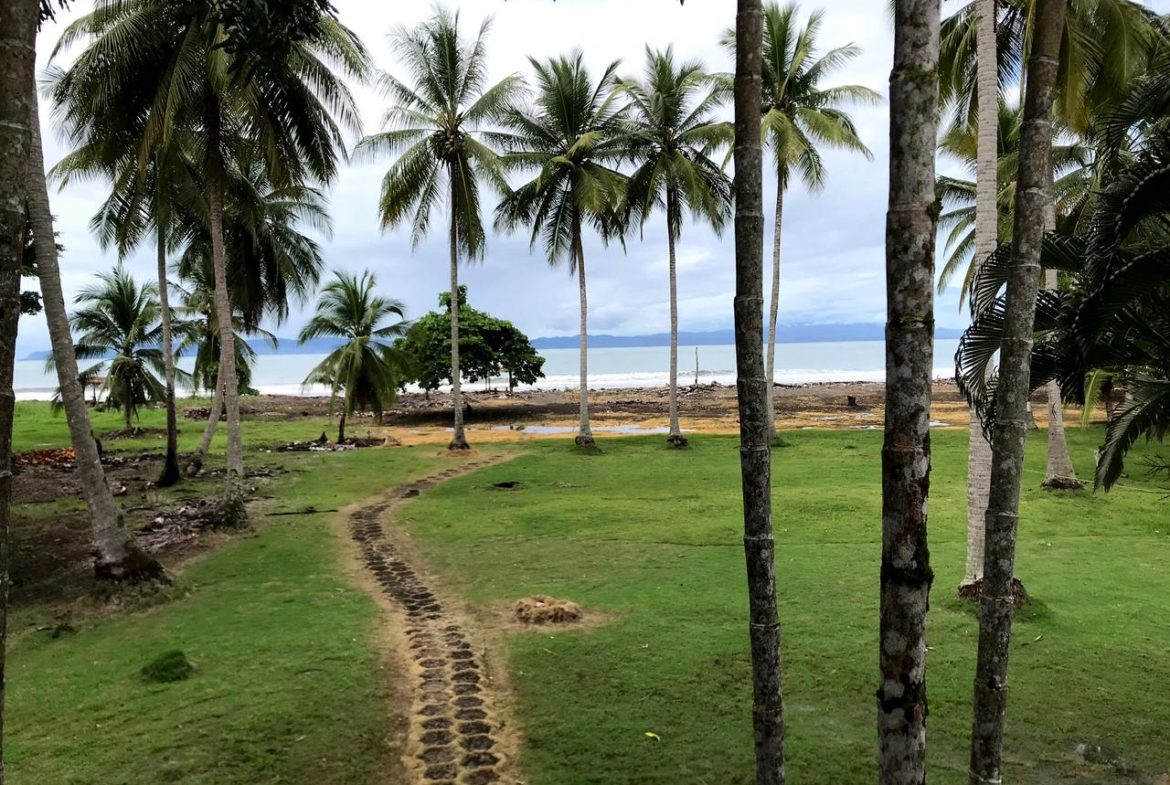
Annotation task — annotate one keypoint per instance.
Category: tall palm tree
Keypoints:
(571, 137)
(170, 63)
(142, 201)
(1009, 431)
(1104, 44)
(367, 368)
(755, 455)
(117, 316)
(911, 226)
(435, 127)
(670, 134)
(801, 117)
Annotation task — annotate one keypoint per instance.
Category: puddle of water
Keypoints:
(939, 424)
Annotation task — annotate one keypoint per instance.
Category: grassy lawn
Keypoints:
(652, 540)
(289, 687)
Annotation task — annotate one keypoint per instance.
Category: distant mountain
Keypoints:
(789, 333)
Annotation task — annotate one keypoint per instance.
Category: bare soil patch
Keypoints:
(542, 609)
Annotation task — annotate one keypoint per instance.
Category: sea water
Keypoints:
(613, 368)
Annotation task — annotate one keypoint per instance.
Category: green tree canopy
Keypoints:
(487, 347)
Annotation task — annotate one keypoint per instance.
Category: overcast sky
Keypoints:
(833, 241)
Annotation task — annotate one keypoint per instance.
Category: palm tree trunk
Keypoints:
(341, 425)
(986, 241)
(224, 312)
(127, 405)
(1060, 472)
(116, 555)
(911, 226)
(584, 433)
(755, 451)
(1010, 430)
(196, 463)
(774, 311)
(18, 32)
(170, 472)
(675, 439)
(458, 438)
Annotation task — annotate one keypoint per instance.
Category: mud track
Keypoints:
(455, 736)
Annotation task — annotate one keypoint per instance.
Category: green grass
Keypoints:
(288, 688)
(288, 684)
(653, 539)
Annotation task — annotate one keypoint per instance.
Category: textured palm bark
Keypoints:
(341, 426)
(224, 313)
(116, 555)
(195, 465)
(755, 451)
(774, 310)
(18, 26)
(675, 438)
(986, 241)
(911, 228)
(170, 472)
(1060, 473)
(1009, 431)
(458, 438)
(584, 433)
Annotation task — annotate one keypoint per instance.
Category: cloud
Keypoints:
(833, 241)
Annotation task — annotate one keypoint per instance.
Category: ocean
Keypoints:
(796, 363)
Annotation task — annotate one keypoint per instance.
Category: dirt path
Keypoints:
(455, 734)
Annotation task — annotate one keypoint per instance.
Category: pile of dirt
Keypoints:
(542, 609)
(50, 457)
(973, 592)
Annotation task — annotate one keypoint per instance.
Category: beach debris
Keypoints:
(48, 457)
(542, 609)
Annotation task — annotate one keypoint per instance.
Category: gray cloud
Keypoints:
(833, 241)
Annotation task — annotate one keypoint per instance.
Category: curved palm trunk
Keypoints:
(18, 25)
(1010, 429)
(755, 451)
(170, 472)
(127, 405)
(675, 439)
(911, 226)
(774, 311)
(986, 241)
(116, 555)
(1060, 472)
(196, 463)
(584, 433)
(458, 438)
(227, 338)
(341, 425)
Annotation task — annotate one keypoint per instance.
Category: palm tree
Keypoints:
(142, 201)
(800, 117)
(201, 337)
(670, 135)
(755, 454)
(1104, 44)
(1009, 430)
(367, 368)
(911, 226)
(120, 318)
(571, 137)
(432, 127)
(172, 65)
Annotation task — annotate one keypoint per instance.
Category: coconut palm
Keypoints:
(1073, 176)
(434, 127)
(670, 134)
(800, 118)
(1104, 45)
(169, 63)
(367, 368)
(142, 201)
(570, 136)
(120, 318)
